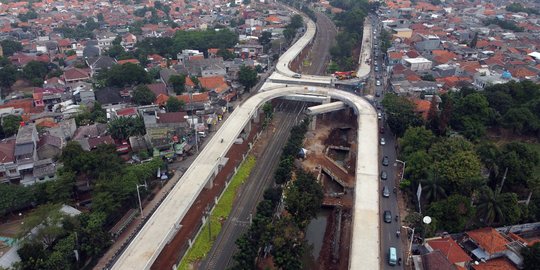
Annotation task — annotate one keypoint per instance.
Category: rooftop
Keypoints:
(449, 249)
(489, 239)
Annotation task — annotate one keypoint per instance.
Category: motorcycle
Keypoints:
(399, 261)
(397, 218)
(397, 234)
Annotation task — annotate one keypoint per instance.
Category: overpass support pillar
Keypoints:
(313, 123)
(247, 128)
(327, 100)
(256, 116)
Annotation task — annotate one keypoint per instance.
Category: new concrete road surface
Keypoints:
(320, 51)
(220, 256)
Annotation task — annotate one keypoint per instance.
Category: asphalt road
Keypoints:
(220, 256)
(320, 51)
(388, 230)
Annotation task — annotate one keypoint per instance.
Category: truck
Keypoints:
(344, 75)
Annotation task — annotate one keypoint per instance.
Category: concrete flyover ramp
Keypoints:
(165, 222)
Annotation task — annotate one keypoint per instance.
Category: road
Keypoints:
(320, 51)
(220, 256)
(388, 230)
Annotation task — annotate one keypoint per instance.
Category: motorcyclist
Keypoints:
(397, 233)
(397, 217)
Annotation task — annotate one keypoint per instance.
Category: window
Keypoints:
(13, 171)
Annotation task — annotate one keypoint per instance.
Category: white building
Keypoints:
(417, 64)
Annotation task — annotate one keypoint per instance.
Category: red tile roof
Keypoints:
(127, 111)
(450, 249)
(94, 142)
(7, 148)
(125, 61)
(489, 239)
(422, 106)
(202, 97)
(76, 74)
(216, 83)
(171, 117)
(158, 88)
(495, 264)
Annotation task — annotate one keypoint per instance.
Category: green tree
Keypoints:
(9, 47)
(226, 54)
(178, 83)
(296, 21)
(520, 160)
(35, 70)
(115, 51)
(460, 171)
(8, 76)
(14, 198)
(288, 244)
(490, 207)
(304, 198)
(415, 139)
(451, 214)
(126, 74)
(174, 104)
(433, 188)
(142, 95)
(124, 127)
(49, 217)
(11, 124)
(531, 257)
(247, 76)
(400, 114)
(417, 167)
(520, 120)
(61, 190)
(265, 37)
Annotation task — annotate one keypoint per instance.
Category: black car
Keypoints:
(387, 216)
(385, 161)
(384, 175)
(377, 94)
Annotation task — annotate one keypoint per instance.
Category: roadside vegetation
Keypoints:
(203, 243)
(279, 231)
(476, 156)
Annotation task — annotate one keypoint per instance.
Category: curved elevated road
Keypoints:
(166, 221)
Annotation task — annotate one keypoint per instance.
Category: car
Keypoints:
(377, 68)
(385, 192)
(297, 76)
(383, 142)
(378, 82)
(381, 130)
(385, 161)
(377, 94)
(384, 175)
(387, 216)
(379, 115)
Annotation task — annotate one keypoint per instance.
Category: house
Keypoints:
(26, 151)
(128, 41)
(424, 43)
(402, 32)
(99, 63)
(158, 88)
(49, 147)
(126, 112)
(417, 64)
(105, 39)
(216, 84)
(74, 75)
(44, 170)
(196, 101)
(8, 168)
(84, 94)
(64, 130)
(248, 50)
(450, 249)
(485, 77)
(488, 244)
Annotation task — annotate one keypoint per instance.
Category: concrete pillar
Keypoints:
(256, 116)
(327, 100)
(313, 123)
(247, 128)
(210, 182)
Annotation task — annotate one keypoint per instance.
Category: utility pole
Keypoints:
(207, 214)
(193, 122)
(139, 196)
(504, 179)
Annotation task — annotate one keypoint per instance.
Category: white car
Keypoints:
(378, 83)
(383, 142)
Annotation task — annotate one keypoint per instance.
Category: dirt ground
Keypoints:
(337, 129)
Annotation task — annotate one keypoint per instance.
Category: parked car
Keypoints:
(385, 192)
(385, 161)
(297, 76)
(383, 142)
(379, 115)
(378, 82)
(387, 216)
(384, 175)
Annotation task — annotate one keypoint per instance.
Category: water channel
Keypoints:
(315, 237)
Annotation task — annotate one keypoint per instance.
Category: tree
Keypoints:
(531, 257)
(490, 207)
(9, 47)
(520, 159)
(296, 21)
(14, 198)
(61, 190)
(115, 51)
(417, 166)
(247, 76)
(142, 95)
(400, 114)
(415, 139)
(124, 127)
(35, 70)
(49, 217)
(126, 74)
(432, 188)
(288, 244)
(460, 171)
(11, 124)
(100, 17)
(304, 198)
(265, 37)
(174, 104)
(520, 120)
(8, 76)
(451, 214)
(178, 83)
(226, 54)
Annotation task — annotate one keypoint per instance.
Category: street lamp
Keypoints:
(426, 220)
(139, 196)
(193, 121)
(403, 171)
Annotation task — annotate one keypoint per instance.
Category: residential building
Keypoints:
(417, 64)
(105, 39)
(26, 151)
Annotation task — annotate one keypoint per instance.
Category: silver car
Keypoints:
(386, 192)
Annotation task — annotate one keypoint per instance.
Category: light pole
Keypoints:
(207, 214)
(426, 220)
(403, 171)
(193, 121)
(139, 196)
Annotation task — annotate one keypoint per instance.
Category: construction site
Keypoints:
(331, 156)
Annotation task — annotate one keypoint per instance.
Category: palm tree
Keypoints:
(432, 187)
(489, 208)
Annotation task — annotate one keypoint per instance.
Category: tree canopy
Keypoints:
(142, 95)
(247, 76)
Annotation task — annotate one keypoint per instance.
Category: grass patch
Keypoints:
(306, 63)
(203, 243)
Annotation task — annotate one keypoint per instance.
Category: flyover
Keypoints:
(163, 225)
